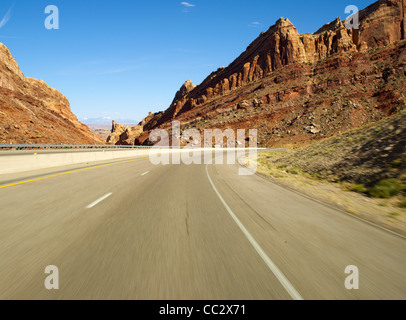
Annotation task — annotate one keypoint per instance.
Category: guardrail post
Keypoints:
(17, 147)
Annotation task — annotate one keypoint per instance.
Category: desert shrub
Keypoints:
(396, 163)
(316, 175)
(386, 189)
(295, 171)
(360, 188)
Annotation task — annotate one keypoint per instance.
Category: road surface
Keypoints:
(133, 230)
(4, 153)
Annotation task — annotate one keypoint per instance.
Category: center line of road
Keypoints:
(98, 201)
(272, 266)
(70, 172)
(145, 173)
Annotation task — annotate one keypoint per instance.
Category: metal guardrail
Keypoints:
(65, 147)
(73, 147)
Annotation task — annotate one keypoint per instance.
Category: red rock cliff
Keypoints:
(381, 24)
(33, 112)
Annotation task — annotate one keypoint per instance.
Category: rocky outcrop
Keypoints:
(33, 112)
(151, 120)
(124, 135)
(381, 24)
(141, 132)
(181, 98)
(116, 131)
(187, 87)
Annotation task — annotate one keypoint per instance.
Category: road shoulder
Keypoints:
(382, 213)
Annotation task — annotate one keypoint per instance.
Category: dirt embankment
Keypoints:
(362, 172)
(362, 156)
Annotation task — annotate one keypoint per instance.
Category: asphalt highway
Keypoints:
(4, 153)
(134, 230)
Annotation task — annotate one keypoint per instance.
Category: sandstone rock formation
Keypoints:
(127, 135)
(284, 74)
(32, 112)
(123, 135)
(380, 25)
(116, 131)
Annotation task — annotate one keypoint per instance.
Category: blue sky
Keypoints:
(121, 59)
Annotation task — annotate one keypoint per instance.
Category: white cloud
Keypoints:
(6, 18)
(187, 4)
(255, 24)
(118, 70)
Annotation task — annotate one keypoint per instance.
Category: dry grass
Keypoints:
(339, 195)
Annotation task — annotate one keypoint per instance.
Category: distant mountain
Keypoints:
(101, 130)
(106, 121)
(32, 112)
(295, 88)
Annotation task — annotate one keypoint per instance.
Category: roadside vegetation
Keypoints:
(362, 171)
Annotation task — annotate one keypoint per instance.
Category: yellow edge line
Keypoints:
(69, 172)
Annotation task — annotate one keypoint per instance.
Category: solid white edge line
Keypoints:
(145, 173)
(278, 274)
(98, 201)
